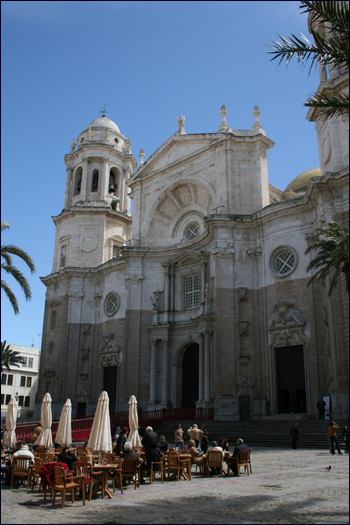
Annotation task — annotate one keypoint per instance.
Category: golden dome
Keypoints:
(302, 180)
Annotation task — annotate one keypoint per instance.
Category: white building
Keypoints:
(21, 382)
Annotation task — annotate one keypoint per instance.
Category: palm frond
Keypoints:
(14, 250)
(10, 295)
(336, 13)
(4, 226)
(21, 280)
(329, 104)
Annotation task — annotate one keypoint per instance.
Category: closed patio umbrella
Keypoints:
(64, 429)
(133, 437)
(100, 439)
(45, 436)
(11, 418)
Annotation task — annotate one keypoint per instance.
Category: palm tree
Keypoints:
(331, 50)
(9, 357)
(6, 252)
(332, 258)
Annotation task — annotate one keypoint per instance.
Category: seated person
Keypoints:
(67, 457)
(224, 444)
(163, 444)
(23, 452)
(232, 464)
(215, 446)
(128, 452)
(197, 457)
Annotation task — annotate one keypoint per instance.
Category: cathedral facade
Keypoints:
(199, 297)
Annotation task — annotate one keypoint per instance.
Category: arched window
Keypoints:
(113, 182)
(94, 181)
(77, 181)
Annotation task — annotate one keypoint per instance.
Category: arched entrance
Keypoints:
(110, 379)
(190, 362)
(290, 374)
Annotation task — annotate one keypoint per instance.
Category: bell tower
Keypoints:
(332, 133)
(95, 221)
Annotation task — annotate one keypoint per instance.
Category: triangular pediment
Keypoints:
(177, 148)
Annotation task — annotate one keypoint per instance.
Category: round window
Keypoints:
(112, 303)
(283, 261)
(191, 231)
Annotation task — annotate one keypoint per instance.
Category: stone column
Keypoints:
(165, 374)
(152, 389)
(84, 179)
(67, 192)
(200, 370)
(166, 294)
(207, 367)
(127, 200)
(104, 180)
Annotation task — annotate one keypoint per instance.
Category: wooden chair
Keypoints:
(214, 460)
(46, 457)
(21, 468)
(161, 469)
(84, 469)
(131, 470)
(243, 460)
(174, 464)
(64, 482)
(35, 472)
(116, 475)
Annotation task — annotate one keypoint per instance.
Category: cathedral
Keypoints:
(199, 297)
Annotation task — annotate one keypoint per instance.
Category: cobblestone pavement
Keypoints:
(287, 486)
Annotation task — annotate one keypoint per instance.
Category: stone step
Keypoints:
(270, 433)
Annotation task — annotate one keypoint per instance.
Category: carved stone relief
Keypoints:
(286, 326)
(110, 351)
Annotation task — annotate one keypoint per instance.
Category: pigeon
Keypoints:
(329, 467)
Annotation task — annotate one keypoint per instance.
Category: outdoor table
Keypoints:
(105, 468)
(185, 461)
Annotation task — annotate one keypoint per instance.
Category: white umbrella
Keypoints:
(11, 418)
(45, 436)
(64, 429)
(100, 439)
(133, 437)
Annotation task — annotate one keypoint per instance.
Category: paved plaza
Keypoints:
(287, 486)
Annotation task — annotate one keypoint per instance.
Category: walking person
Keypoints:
(321, 405)
(332, 434)
(346, 439)
(179, 437)
(294, 433)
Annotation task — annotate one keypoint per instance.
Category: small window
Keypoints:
(29, 382)
(283, 261)
(30, 362)
(2, 399)
(21, 401)
(27, 401)
(63, 255)
(53, 320)
(8, 399)
(94, 182)
(10, 379)
(77, 181)
(191, 292)
(23, 380)
(24, 363)
(192, 231)
(112, 303)
(3, 379)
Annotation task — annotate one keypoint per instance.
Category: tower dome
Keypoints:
(301, 181)
(104, 122)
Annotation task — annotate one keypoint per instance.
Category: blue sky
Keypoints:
(149, 62)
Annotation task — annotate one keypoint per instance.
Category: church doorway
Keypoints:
(290, 373)
(190, 363)
(110, 377)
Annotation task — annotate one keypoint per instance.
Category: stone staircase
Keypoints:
(273, 432)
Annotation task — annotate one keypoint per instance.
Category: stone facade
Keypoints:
(200, 298)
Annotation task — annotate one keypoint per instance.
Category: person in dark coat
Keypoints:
(123, 435)
(67, 457)
(232, 464)
(150, 444)
(294, 433)
(163, 444)
(204, 439)
(321, 408)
